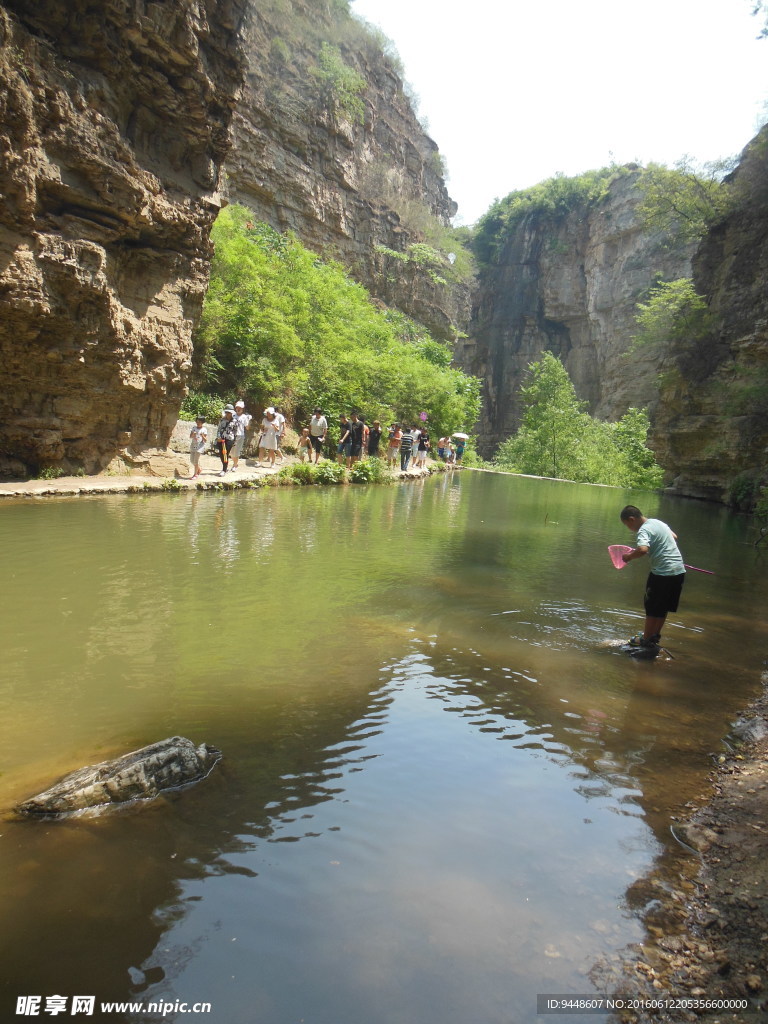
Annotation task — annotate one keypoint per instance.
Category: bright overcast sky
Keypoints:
(516, 91)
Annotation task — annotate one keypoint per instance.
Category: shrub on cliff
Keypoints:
(280, 324)
(685, 200)
(558, 438)
(339, 86)
(674, 312)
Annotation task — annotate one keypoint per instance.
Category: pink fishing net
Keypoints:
(616, 551)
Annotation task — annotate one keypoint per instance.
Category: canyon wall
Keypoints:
(117, 134)
(347, 184)
(711, 422)
(568, 283)
(115, 122)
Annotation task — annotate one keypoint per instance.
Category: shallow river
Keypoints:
(438, 782)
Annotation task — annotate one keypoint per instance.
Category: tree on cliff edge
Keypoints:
(685, 200)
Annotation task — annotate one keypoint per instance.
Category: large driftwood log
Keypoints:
(140, 775)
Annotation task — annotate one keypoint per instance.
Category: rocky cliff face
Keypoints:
(711, 424)
(569, 284)
(115, 122)
(345, 185)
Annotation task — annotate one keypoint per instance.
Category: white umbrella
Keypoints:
(464, 436)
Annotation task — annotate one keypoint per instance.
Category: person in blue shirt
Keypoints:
(667, 575)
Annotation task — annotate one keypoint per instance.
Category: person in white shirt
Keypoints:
(198, 438)
(318, 428)
(243, 420)
(280, 421)
(269, 440)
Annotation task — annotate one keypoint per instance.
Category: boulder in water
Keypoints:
(140, 775)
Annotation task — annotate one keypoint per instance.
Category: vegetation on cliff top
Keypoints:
(281, 325)
(558, 438)
(685, 200)
(554, 197)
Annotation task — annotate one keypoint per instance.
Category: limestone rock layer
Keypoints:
(569, 284)
(114, 122)
(346, 184)
(711, 425)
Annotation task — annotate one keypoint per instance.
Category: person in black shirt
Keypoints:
(345, 441)
(423, 449)
(356, 428)
(374, 436)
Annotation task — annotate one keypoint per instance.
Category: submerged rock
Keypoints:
(749, 730)
(140, 775)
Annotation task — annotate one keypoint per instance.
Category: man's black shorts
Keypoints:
(317, 443)
(662, 594)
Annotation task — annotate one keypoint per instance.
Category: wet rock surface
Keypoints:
(139, 775)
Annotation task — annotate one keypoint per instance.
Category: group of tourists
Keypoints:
(406, 443)
(230, 437)
(356, 440)
(229, 440)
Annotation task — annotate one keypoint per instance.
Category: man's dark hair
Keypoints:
(631, 512)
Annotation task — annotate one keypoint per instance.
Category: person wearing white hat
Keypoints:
(268, 442)
(242, 419)
(225, 436)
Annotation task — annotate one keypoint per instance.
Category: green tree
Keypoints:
(685, 200)
(558, 438)
(674, 312)
(630, 436)
(552, 418)
(279, 324)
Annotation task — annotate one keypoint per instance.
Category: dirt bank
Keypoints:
(708, 932)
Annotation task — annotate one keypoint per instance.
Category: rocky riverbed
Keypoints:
(708, 929)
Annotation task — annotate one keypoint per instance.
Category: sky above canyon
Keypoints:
(517, 91)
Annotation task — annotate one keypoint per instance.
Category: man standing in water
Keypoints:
(667, 575)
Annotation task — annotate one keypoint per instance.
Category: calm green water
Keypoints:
(437, 784)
